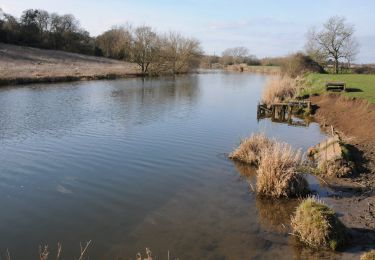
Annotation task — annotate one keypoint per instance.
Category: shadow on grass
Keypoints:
(354, 90)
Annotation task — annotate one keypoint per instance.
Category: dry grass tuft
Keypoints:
(316, 225)
(280, 88)
(278, 174)
(368, 255)
(251, 148)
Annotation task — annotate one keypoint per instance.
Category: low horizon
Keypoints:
(267, 29)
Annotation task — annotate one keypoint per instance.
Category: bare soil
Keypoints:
(354, 120)
(19, 64)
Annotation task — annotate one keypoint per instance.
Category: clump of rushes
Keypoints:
(278, 173)
(280, 88)
(368, 256)
(250, 149)
(317, 225)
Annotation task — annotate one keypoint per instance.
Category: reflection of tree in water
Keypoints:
(144, 100)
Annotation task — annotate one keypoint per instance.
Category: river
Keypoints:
(137, 163)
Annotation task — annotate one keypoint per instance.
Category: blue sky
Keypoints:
(267, 27)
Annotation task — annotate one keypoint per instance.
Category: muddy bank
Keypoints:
(22, 65)
(354, 120)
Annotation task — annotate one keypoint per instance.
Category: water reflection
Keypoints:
(275, 214)
(57, 109)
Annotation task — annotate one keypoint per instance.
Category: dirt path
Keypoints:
(19, 64)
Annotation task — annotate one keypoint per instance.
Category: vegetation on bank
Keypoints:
(317, 225)
(368, 255)
(155, 53)
(250, 149)
(278, 164)
(278, 173)
(280, 88)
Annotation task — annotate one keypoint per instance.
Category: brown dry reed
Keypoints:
(368, 255)
(278, 174)
(280, 88)
(316, 225)
(250, 149)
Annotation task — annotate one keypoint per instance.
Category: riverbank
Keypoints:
(22, 65)
(354, 120)
(272, 70)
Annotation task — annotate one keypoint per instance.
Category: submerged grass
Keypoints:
(249, 151)
(278, 174)
(317, 225)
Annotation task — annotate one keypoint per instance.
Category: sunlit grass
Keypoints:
(358, 85)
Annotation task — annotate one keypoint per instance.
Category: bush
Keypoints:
(297, 64)
(368, 256)
(365, 69)
(278, 174)
(316, 225)
(251, 148)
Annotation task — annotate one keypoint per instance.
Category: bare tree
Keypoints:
(179, 54)
(116, 43)
(334, 41)
(144, 47)
(235, 55)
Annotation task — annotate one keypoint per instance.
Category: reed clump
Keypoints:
(280, 88)
(250, 149)
(368, 255)
(317, 225)
(278, 173)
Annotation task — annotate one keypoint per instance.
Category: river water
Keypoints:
(138, 163)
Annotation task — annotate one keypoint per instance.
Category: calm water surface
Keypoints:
(138, 163)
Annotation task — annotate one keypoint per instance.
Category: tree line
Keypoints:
(154, 52)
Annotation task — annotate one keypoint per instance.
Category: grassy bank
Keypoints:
(358, 85)
(21, 65)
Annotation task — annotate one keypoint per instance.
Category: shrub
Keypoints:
(280, 88)
(250, 148)
(278, 174)
(368, 256)
(316, 225)
(365, 69)
(297, 64)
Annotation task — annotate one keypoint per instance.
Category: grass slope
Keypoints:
(358, 85)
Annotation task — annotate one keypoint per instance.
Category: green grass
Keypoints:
(317, 225)
(358, 85)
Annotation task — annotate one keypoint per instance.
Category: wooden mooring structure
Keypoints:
(282, 112)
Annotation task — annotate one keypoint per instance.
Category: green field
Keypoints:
(358, 85)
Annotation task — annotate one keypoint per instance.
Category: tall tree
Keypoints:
(334, 41)
(115, 43)
(145, 47)
(178, 53)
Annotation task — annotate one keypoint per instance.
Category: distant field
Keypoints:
(358, 85)
(18, 63)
